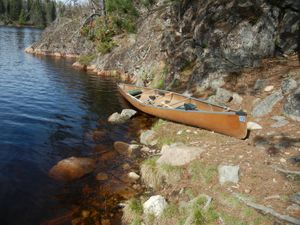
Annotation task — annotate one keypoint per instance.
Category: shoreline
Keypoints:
(184, 184)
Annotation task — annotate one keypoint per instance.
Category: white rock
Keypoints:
(253, 126)
(155, 205)
(269, 88)
(128, 113)
(178, 154)
(133, 176)
(228, 174)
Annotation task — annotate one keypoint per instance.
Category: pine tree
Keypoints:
(15, 9)
(36, 13)
(2, 9)
(22, 17)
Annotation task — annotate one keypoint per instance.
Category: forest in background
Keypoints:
(37, 13)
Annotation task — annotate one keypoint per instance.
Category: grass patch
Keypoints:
(86, 59)
(171, 174)
(133, 212)
(200, 172)
(150, 174)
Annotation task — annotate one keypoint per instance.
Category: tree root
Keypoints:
(266, 210)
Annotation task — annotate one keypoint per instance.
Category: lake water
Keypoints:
(48, 112)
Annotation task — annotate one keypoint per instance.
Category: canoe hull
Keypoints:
(225, 123)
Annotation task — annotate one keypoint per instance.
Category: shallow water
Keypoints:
(48, 112)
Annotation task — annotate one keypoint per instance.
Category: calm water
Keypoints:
(47, 112)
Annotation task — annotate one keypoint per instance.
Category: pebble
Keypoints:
(179, 132)
(269, 88)
(282, 160)
(188, 131)
(133, 176)
(247, 191)
(126, 166)
(101, 176)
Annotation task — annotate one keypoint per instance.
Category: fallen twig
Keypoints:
(296, 173)
(266, 210)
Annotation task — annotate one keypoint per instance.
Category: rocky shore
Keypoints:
(239, 54)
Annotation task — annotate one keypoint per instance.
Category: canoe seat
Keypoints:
(135, 92)
(187, 106)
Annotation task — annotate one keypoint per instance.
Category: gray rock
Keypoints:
(179, 155)
(155, 205)
(253, 126)
(294, 160)
(223, 95)
(128, 113)
(295, 198)
(148, 138)
(266, 105)
(291, 107)
(287, 85)
(236, 98)
(259, 85)
(125, 115)
(228, 174)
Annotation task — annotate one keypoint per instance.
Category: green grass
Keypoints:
(86, 59)
(200, 172)
(132, 212)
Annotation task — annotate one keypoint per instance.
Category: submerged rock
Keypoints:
(179, 155)
(228, 174)
(72, 168)
(101, 176)
(155, 205)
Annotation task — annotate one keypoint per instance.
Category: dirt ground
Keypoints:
(259, 179)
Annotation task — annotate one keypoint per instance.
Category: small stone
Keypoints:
(133, 176)
(253, 126)
(85, 213)
(228, 174)
(179, 132)
(122, 148)
(101, 176)
(259, 84)
(269, 88)
(155, 205)
(125, 115)
(145, 149)
(126, 166)
(188, 131)
(105, 222)
(282, 160)
(247, 191)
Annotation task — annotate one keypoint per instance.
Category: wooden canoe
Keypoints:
(187, 110)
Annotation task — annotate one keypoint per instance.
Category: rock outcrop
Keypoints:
(292, 105)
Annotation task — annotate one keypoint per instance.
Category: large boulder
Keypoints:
(72, 168)
(179, 155)
(291, 107)
(266, 105)
(155, 205)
